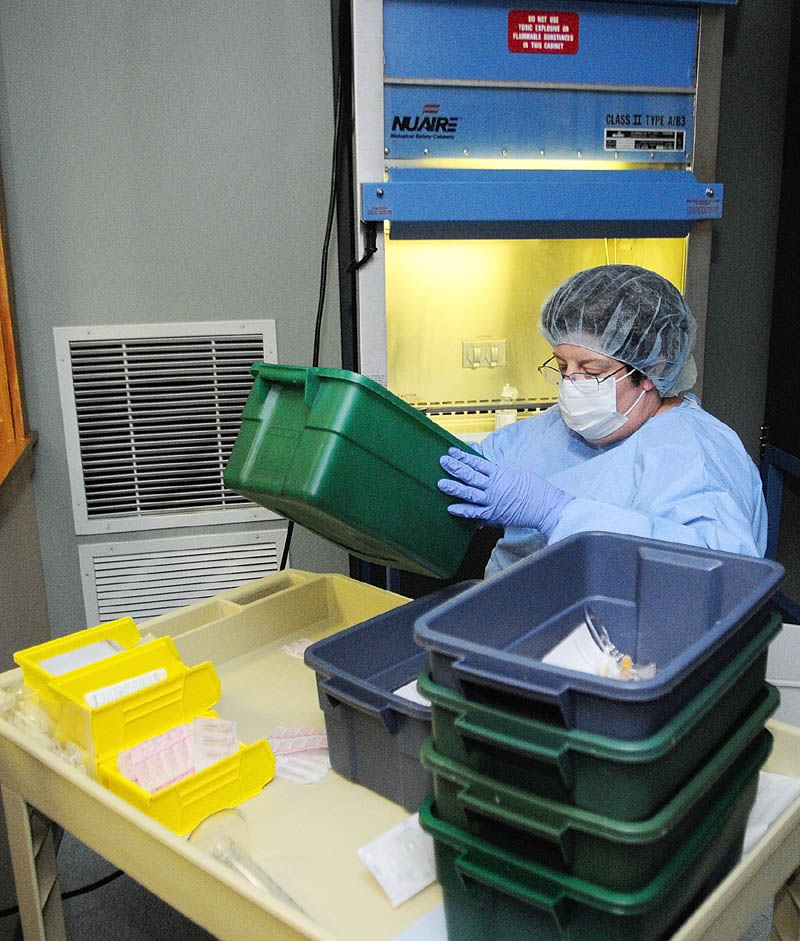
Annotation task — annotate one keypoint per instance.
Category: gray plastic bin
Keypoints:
(375, 735)
(689, 610)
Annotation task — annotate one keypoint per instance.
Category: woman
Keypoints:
(626, 450)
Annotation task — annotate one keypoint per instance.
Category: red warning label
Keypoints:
(543, 31)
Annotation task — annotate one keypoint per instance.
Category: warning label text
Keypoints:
(543, 31)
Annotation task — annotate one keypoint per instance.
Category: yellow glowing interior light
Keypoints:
(441, 294)
(542, 163)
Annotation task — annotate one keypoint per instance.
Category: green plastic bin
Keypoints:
(491, 893)
(617, 854)
(348, 460)
(627, 780)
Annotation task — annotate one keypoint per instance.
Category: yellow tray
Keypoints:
(181, 806)
(102, 731)
(123, 631)
(288, 606)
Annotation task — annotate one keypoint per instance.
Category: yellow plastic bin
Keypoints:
(183, 805)
(43, 663)
(174, 692)
(132, 696)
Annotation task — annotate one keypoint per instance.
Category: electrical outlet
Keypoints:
(479, 353)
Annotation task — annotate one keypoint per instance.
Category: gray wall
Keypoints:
(163, 162)
(22, 593)
(24, 617)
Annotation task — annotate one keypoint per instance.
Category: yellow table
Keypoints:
(305, 837)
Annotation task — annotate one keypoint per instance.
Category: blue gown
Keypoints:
(683, 477)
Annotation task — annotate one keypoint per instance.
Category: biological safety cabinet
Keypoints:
(496, 149)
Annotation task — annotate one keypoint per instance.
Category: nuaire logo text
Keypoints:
(429, 121)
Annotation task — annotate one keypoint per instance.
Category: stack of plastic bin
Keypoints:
(106, 689)
(571, 805)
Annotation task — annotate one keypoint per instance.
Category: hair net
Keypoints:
(630, 314)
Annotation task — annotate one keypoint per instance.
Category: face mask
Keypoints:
(591, 409)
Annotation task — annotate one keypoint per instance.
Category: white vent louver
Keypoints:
(142, 579)
(150, 417)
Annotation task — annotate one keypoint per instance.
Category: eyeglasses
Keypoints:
(555, 377)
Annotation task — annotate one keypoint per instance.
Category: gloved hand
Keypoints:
(501, 493)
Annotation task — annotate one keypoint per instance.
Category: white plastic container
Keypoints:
(783, 671)
(507, 414)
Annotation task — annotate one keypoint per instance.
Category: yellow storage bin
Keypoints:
(182, 806)
(81, 644)
(83, 710)
(187, 693)
(103, 730)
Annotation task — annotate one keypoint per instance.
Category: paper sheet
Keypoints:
(411, 692)
(401, 860)
(431, 927)
(775, 793)
(577, 651)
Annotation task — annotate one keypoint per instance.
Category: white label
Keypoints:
(80, 657)
(213, 740)
(640, 139)
(107, 694)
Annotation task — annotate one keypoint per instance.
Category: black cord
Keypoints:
(93, 885)
(370, 246)
(323, 275)
(14, 910)
(285, 553)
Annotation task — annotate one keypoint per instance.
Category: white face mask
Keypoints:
(591, 409)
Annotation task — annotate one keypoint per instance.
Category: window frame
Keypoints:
(15, 439)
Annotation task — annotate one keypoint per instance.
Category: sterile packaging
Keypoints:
(401, 860)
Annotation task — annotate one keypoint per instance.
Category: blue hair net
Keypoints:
(630, 314)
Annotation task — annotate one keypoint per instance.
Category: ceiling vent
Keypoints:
(144, 578)
(151, 413)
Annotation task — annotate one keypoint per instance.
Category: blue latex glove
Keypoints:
(501, 493)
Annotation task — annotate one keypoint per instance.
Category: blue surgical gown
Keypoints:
(683, 476)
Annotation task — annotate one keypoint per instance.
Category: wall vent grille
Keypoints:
(150, 420)
(145, 578)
